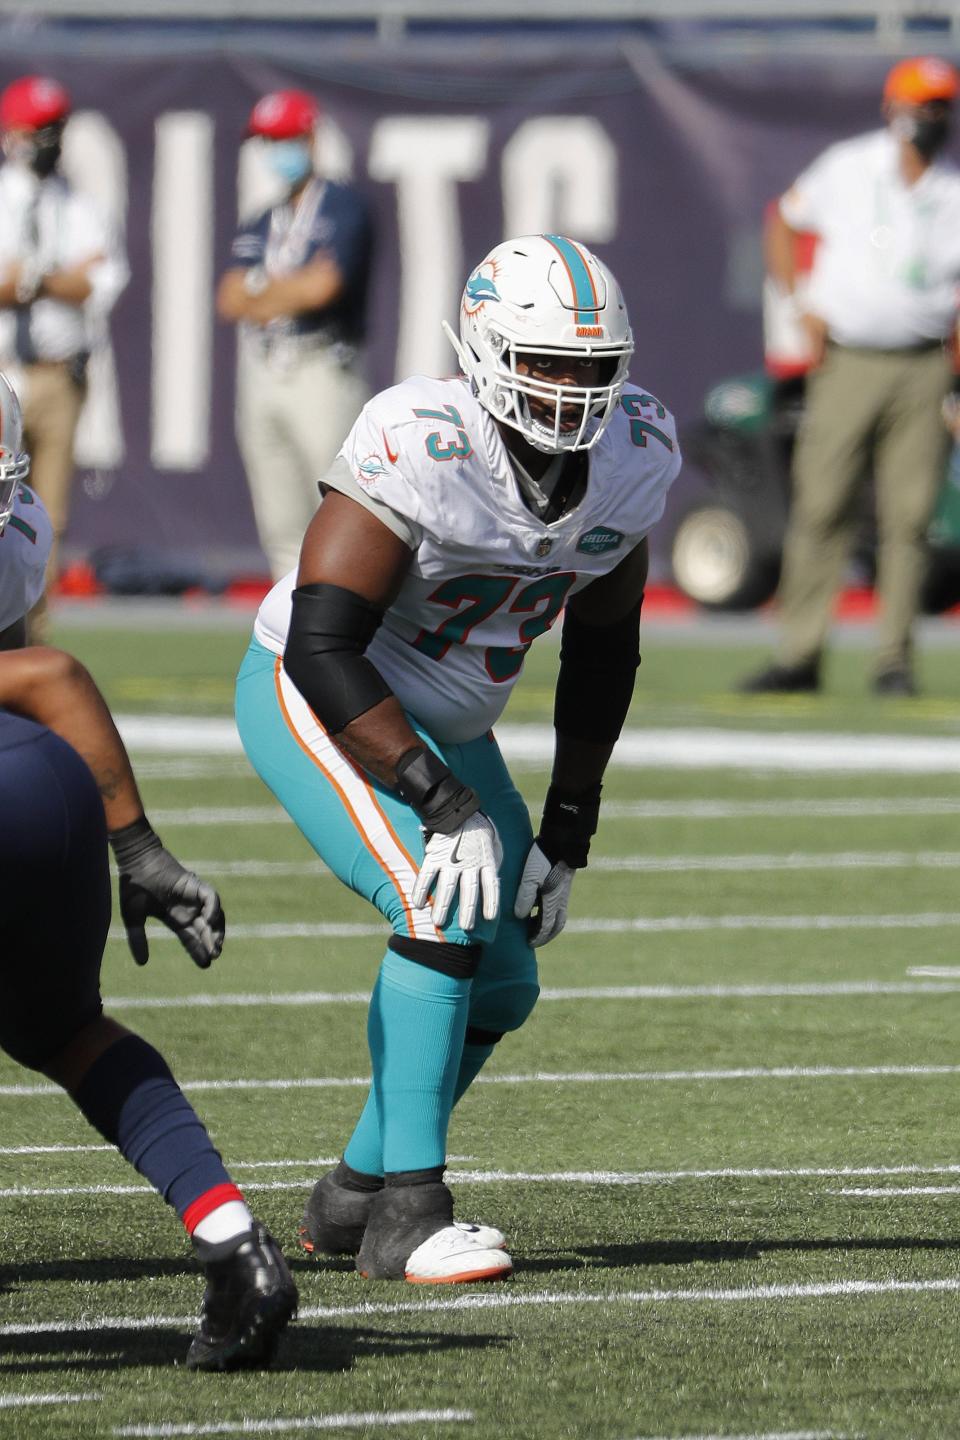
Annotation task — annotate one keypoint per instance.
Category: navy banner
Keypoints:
(664, 170)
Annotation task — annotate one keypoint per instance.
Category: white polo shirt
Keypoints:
(67, 229)
(886, 271)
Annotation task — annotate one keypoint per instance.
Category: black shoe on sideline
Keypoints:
(895, 681)
(249, 1300)
(783, 680)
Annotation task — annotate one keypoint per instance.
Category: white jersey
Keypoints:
(487, 575)
(24, 548)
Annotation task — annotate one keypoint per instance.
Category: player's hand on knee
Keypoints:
(466, 861)
(543, 896)
(154, 885)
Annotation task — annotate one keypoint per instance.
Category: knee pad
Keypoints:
(501, 1008)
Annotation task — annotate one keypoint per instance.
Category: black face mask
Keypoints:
(45, 158)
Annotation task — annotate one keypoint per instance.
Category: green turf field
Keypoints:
(725, 1148)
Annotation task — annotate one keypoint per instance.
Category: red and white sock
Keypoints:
(218, 1215)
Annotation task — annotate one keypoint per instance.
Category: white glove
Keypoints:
(469, 859)
(548, 887)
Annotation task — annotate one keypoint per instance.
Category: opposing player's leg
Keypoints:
(54, 928)
(418, 1012)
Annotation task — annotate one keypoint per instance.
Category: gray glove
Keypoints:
(154, 884)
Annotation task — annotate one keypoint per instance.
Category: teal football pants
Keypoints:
(429, 1034)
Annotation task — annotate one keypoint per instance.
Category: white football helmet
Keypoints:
(543, 295)
(14, 461)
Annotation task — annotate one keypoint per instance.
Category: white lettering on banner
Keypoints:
(559, 173)
(95, 160)
(182, 240)
(425, 157)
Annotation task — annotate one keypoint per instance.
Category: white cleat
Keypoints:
(486, 1235)
(454, 1255)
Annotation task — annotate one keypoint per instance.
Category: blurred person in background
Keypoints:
(61, 270)
(67, 791)
(297, 287)
(881, 301)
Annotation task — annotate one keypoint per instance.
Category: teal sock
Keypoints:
(472, 1061)
(415, 1031)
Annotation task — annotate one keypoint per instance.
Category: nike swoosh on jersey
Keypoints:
(392, 455)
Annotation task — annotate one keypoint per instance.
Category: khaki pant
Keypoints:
(291, 422)
(52, 400)
(865, 409)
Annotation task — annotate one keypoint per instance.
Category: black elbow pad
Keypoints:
(330, 628)
(598, 669)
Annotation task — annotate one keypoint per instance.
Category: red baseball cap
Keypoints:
(32, 102)
(284, 115)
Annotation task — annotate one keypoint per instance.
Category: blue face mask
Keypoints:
(291, 160)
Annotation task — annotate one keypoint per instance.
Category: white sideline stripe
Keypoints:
(349, 1420)
(593, 992)
(527, 1177)
(545, 1077)
(520, 1299)
(12, 1402)
(643, 864)
(854, 809)
(639, 924)
(940, 972)
(694, 748)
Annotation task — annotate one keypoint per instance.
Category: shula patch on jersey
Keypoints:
(599, 540)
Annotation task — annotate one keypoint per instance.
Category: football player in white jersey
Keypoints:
(25, 530)
(460, 517)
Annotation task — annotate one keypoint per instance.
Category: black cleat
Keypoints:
(249, 1300)
(783, 680)
(338, 1210)
(895, 681)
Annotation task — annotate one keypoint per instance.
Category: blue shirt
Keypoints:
(342, 229)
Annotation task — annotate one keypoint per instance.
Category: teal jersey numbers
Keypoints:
(437, 447)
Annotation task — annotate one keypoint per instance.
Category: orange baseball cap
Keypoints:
(917, 81)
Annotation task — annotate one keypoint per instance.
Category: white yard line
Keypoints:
(804, 989)
(510, 1298)
(766, 1435)
(16, 1402)
(560, 1077)
(616, 1178)
(349, 1420)
(633, 925)
(641, 864)
(786, 809)
(53, 1149)
(879, 1193)
(673, 748)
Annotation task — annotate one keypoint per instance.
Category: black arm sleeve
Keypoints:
(330, 628)
(598, 668)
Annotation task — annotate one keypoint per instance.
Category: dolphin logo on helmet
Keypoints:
(554, 297)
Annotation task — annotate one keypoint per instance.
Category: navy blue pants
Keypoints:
(54, 892)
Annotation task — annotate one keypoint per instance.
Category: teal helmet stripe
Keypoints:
(584, 291)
